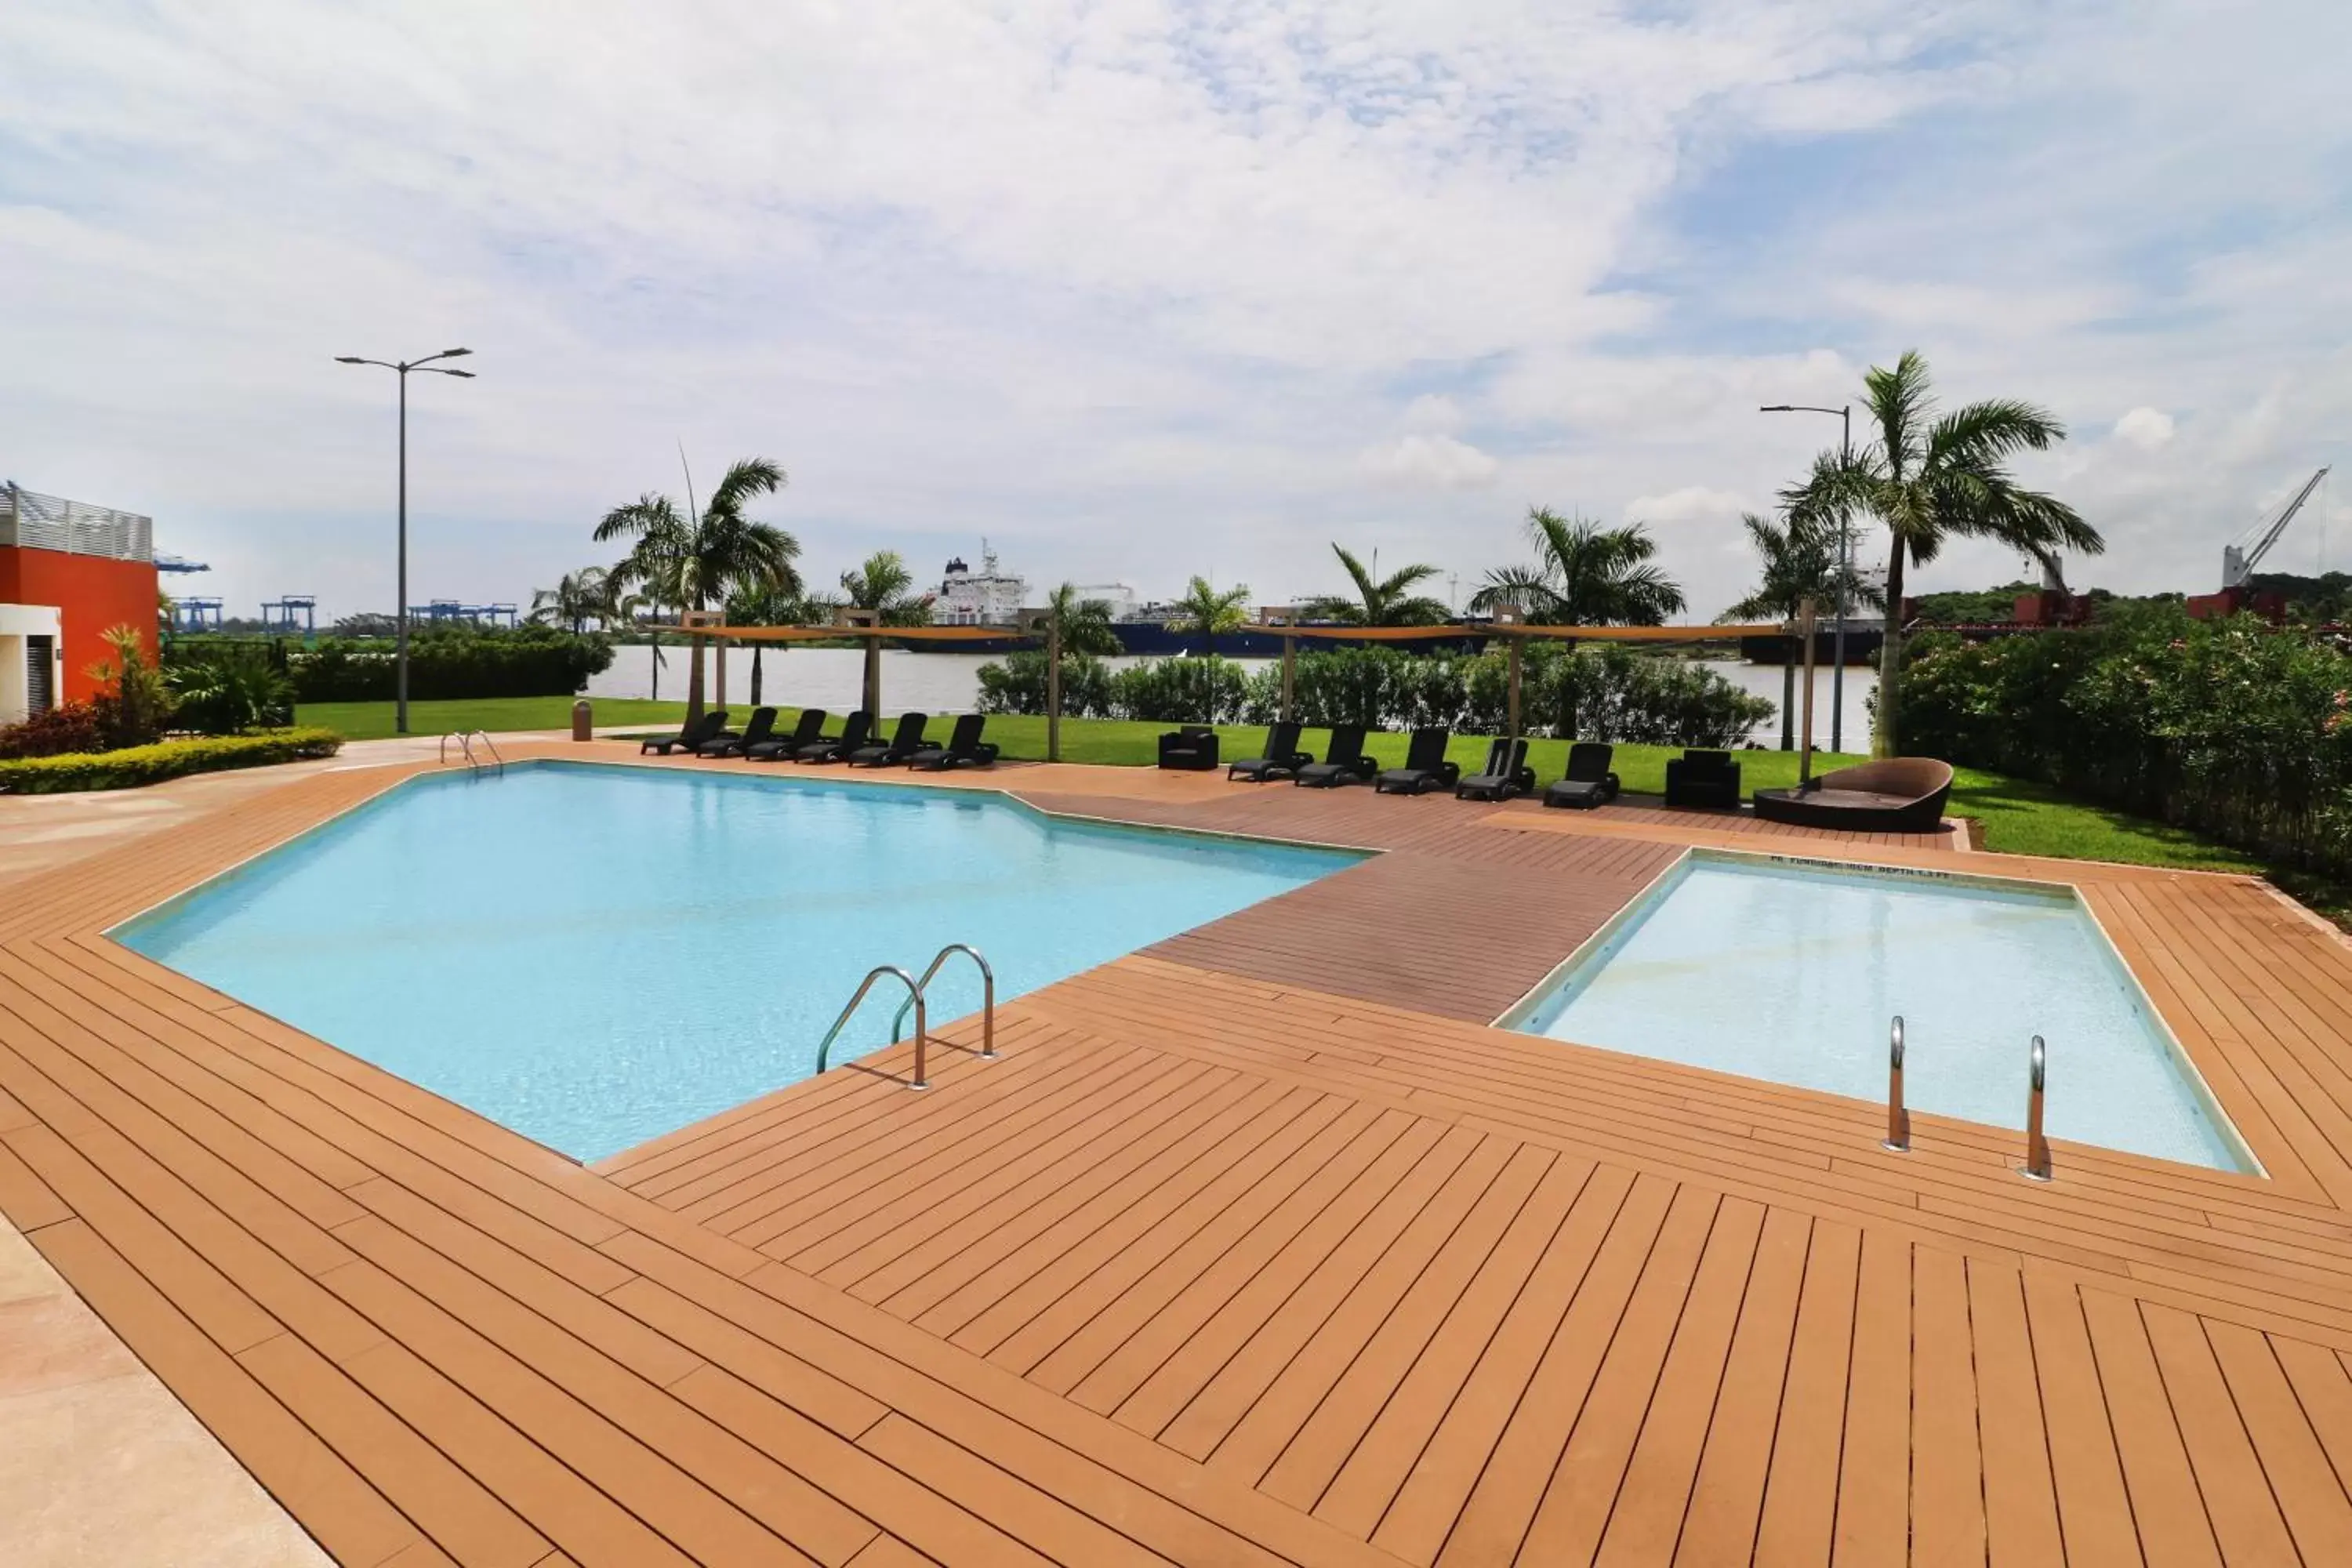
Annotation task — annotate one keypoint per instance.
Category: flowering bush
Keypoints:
(2233, 728)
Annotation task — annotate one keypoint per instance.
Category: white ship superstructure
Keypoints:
(987, 598)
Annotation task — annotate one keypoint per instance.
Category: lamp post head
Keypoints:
(454, 354)
(348, 359)
(1777, 408)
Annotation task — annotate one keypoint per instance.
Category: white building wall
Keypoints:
(17, 623)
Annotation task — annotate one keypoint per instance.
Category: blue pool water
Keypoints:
(594, 956)
(1789, 973)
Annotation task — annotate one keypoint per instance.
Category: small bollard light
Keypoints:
(583, 720)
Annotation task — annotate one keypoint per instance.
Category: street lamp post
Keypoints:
(400, 660)
(1845, 566)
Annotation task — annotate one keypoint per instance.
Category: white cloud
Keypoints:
(2146, 428)
(1132, 288)
(1434, 461)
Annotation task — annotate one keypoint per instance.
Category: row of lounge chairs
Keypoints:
(856, 745)
(1504, 773)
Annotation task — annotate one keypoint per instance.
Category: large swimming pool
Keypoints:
(1792, 972)
(596, 955)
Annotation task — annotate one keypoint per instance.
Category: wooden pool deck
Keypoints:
(1256, 1246)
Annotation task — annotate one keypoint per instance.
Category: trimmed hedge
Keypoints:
(136, 765)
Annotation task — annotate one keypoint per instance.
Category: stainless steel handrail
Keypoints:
(1898, 1118)
(987, 996)
(915, 993)
(2037, 1148)
(465, 739)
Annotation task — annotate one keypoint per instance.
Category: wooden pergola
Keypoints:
(1513, 634)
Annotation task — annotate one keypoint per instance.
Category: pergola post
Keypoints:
(1289, 679)
(1053, 688)
(1514, 694)
(1805, 754)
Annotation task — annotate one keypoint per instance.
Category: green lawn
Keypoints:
(2018, 818)
(372, 721)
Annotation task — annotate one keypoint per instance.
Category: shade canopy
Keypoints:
(829, 633)
(1521, 629)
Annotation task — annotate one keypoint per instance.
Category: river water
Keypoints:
(947, 683)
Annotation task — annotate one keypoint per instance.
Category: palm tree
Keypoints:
(1584, 575)
(1389, 602)
(775, 606)
(1800, 561)
(1930, 478)
(1085, 623)
(1201, 608)
(577, 598)
(689, 562)
(883, 584)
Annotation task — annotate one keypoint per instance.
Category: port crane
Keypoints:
(2238, 560)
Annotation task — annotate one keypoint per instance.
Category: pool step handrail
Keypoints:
(2037, 1148)
(1898, 1117)
(987, 995)
(914, 995)
(465, 739)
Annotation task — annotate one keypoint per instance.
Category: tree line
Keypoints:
(1923, 474)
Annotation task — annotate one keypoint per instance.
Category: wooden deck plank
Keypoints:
(1873, 1507)
(1259, 1247)
(1799, 1517)
(2239, 1502)
(2093, 1510)
(1645, 1520)
(1947, 1506)
(1660, 1224)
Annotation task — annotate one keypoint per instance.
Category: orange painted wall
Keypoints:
(92, 594)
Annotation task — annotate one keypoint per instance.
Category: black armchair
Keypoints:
(1703, 778)
(1193, 748)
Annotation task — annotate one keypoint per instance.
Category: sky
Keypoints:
(1140, 290)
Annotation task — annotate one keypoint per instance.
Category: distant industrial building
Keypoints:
(69, 572)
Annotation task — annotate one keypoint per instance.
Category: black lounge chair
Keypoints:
(964, 745)
(1192, 749)
(1703, 778)
(759, 731)
(1282, 758)
(808, 731)
(1588, 782)
(1425, 767)
(1894, 795)
(1345, 763)
(904, 743)
(855, 730)
(691, 737)
(1506, 773)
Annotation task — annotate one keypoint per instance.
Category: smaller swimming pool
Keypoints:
(1790, 971)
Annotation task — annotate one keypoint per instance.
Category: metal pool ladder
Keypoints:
(916, 999)
(465, 739)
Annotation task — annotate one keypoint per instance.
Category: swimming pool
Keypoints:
(595, 956)
(1792, 972)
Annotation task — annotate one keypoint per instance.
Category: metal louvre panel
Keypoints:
(35, 521)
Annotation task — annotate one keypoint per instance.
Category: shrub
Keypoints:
(1206, 690)
(451, 662)
(1018, 685)
(233, 690)
(138, 707)
(134, 765)
(2231, 728)
(67, 727)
